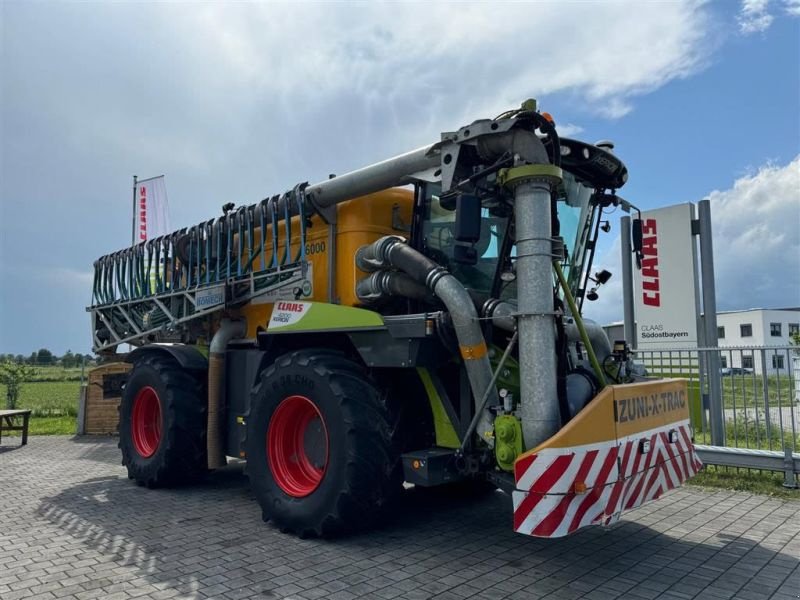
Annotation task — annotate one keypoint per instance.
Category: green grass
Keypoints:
(47, 398)
(52, 426)
(742, 480)
(53, 400)
(752, 434)
(57, 374)
(739, 391)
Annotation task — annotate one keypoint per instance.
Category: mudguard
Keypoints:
(628, 446)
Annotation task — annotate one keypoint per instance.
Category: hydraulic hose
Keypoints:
(392, 252)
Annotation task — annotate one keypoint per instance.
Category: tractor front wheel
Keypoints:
(319, 445)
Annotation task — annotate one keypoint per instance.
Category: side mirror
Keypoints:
(468, 218)
(636, 238)
(637, 235)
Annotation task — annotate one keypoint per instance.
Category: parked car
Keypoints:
(727, 371)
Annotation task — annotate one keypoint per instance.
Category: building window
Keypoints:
(777, 361)
(723, 362)
(775, 329)
(721, 333)
(747, 362)
(794, 329)
(746, 330)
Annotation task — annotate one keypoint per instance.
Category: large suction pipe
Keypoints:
(392, 252)
(228, 330)
(374, 178)
(385, 284)
(539, 410)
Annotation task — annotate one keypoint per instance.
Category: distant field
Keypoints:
(53, 399)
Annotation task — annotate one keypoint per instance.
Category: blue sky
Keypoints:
(234, 103)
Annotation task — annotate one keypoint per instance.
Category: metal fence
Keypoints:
(755, 415)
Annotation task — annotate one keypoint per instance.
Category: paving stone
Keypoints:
(75, 528)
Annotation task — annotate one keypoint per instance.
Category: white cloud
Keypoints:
(756, 228)
(754, 17)
(792, 7)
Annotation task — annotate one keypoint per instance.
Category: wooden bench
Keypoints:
(8, 419)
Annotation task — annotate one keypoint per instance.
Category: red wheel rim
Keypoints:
(297, 446)
(146, 422)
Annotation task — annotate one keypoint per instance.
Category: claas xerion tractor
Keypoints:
(417, 320)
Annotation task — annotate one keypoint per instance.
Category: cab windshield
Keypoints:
(493, 250)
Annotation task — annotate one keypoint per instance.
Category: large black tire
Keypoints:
(176, 453)
(359, 475)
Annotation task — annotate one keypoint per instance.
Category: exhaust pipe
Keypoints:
(228, 330)
(392, 251)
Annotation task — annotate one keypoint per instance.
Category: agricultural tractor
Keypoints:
(415, 321)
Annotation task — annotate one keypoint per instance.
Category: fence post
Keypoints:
(765, 394)
(710, 322)
(789, 479)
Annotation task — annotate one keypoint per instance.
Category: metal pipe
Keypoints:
(597, 337)
(373, 178)
(228, 330)
(385, 284)
(539, 410)
(392, 251)
(627, 281)
(598, 371)
(133, 213)
(482, 404)
(502, 315)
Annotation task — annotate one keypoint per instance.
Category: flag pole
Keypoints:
(133, 214)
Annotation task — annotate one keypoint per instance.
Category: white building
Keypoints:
(757, 327)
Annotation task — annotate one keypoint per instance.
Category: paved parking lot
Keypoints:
(73, 526)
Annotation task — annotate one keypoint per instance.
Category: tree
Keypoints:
(44, 357)
(13, 376)
(68, 360)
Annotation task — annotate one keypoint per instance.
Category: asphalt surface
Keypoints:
(73, 526)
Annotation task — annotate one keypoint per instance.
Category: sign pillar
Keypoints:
(710, 323)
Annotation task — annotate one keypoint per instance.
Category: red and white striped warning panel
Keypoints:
(627, 447)
(561, 490)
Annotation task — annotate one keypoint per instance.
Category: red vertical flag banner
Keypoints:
(152, 209)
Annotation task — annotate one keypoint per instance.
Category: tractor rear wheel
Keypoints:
(162, 425)
(320, 455)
